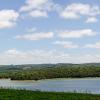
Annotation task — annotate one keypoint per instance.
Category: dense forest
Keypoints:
(27, 72)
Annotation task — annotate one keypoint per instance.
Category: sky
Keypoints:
(49, 31)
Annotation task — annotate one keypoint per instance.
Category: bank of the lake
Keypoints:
(11, 94)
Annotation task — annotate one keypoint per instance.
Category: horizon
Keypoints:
(49, 64)
(49, 31)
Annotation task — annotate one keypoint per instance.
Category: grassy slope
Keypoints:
(7, 94)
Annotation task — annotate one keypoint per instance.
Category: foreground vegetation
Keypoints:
(10, 94)
(52, 72)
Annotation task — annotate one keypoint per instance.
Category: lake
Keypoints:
(90, 85)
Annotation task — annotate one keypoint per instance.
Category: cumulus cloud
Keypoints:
(38, 8)
(77, 10)
(38, 13)
(66, 44)
(76, 33)
(91, 20)
(34, 4)
(96, 45)
(33, 35)
(36, 36)
(8, 18)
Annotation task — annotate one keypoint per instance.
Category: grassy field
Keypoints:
(7, 94)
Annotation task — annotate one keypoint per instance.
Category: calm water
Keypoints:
(91, 85)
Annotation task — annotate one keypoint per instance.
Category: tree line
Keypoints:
(49, 73)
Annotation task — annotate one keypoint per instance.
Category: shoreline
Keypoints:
(50, 79)
(59, 79)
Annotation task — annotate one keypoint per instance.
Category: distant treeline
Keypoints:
(49, 73)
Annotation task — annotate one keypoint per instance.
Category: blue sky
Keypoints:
(49, 31)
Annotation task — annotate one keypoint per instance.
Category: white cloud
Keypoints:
(96, 45)
(38, 13)
(77, 10)
(86, 58)
(14, 56)
(38, 8)
(91, 20)
(13, 52)
(33, 35)
(32, 29)
(36, 36)
(34, 4)
(76, 33)
(66, 44)
(8, 18)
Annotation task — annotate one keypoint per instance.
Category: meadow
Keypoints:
(11, 94)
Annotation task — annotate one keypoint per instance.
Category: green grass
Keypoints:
(10, 94)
